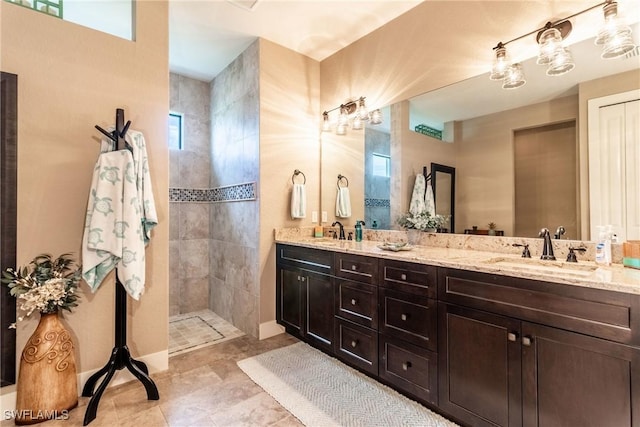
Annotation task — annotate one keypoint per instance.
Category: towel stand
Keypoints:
(120, 355)
(296, 173)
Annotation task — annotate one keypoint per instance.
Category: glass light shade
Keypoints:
(362, 113)
(343, 118)
(326, 126)
(376, 117)
(617, 46)
(500, 64)
(612, 26)
(514, 77)
(561, 62)
(550, 41)
(357, 123)
(341, 129)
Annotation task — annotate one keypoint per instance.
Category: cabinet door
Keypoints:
(479, 367)
(318, 309)
(576, 380)
(289, 299)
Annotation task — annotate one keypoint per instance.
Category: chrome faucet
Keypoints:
(341, 229)
(559, 232)
(547, 249)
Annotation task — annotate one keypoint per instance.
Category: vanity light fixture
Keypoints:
(614, 36)
(353, 111)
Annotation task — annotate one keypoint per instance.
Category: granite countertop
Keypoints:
(584, 273)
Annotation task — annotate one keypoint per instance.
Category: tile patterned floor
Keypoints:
(202, 388)
(192, 331)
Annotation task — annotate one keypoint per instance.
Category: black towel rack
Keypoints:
(341, 178)
(120, 355)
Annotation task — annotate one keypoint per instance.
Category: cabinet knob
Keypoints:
(404, 317)
(403, 276)
(354, 344)
(298, 278)
(302, 278)
(406, 366)
(512, 336)
(354, 267)
(526, 340)
(353, 301)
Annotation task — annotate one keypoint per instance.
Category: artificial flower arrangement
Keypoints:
(45, 285)
(422, 221)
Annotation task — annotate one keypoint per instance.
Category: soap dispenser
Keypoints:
(358, 227)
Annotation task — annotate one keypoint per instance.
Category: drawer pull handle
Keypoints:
(404, 317)
(298, 278)
(512, 336)
(406, 366)
(526, 341)
(354, 267)
(354, 343)
(403, 276)
(353, 301)
(302, 279)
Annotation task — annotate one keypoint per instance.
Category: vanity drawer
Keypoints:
(356, 267)
(409, 317)
(600, 313)
(356, 345)
(408, 277)
(409, 368)
(357, 302)
(307, 258)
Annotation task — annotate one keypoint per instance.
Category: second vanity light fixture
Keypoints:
(347, 114)
(614, 37)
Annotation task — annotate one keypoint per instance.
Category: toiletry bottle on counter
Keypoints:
(603, 246)
(358, 227)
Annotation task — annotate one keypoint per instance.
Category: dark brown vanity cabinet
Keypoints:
(408, 328)
(356, 311)
(499, 370)
(304, 294)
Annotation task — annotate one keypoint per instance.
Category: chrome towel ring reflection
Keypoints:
(296, 173)
(342, 178)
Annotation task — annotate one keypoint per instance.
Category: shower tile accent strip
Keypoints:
(377, 203)
(230, 193)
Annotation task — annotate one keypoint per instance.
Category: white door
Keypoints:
(614, 166)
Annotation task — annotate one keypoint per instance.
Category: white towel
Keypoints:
(343, 203)
(430, 204)
(417, 204)
(120, 215)
(298, 201)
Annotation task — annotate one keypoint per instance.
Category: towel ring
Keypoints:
(340, 178)
(296, 173)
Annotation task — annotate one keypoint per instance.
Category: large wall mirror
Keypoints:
(8, 196)
(521, 156)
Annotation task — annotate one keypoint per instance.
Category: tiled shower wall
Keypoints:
(376, 188)
(190, 168)
(234, 284)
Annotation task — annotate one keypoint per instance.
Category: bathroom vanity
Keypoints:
(484, 338)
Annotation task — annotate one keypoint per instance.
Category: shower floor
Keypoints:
(191, 331)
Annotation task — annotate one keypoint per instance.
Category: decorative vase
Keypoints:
(491, 232)
(413, 236)
(47, 386)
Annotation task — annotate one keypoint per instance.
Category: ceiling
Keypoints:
(207, 35)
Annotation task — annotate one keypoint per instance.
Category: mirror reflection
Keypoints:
(521, 156)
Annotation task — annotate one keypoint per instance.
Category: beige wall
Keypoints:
(588, 90)
(289, 139)
(71, 78)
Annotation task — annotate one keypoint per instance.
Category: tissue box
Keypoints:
(631, 254)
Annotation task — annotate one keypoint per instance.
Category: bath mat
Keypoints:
(321, 391)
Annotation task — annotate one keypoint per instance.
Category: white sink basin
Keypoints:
(548, 267)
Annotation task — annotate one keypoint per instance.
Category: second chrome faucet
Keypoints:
(547, 248)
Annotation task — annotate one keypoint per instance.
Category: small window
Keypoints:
(175, 131)
(381, 165)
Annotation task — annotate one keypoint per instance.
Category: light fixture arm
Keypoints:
(552, 24)
(350, 106)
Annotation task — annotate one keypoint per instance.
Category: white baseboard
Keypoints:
(270, 329)
(156, 362)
